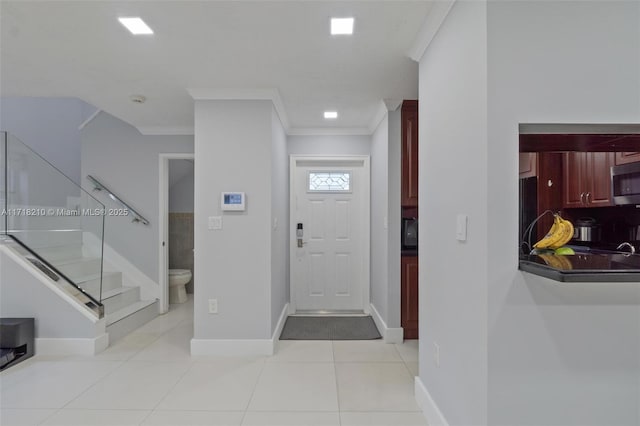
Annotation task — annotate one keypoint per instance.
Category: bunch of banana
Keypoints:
(556, 261)
(560, 233)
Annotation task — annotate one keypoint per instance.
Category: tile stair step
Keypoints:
(79, 267)
(55, 254)
(119, 298)
(125, 320)
(48, 239)
(91, 283)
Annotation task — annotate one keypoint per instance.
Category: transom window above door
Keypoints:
(335, 181)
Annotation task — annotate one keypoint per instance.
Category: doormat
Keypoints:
(330, 328)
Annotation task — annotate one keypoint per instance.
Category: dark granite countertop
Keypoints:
(584, 267)
(409, 252)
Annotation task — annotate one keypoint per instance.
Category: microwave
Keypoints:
(625, 184)
(409, 233)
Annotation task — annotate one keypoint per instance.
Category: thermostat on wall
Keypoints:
(232, 201)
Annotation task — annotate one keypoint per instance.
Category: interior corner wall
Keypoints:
(49, 126)
(233, 264)
(453, 181)
(279, 220)
(558, 354)
(394, 219)
(127, 162)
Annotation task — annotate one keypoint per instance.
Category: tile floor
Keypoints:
(149, 378)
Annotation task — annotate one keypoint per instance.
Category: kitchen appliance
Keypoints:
(409, 233)
(586, 229)
(528, 212)
(625, 184)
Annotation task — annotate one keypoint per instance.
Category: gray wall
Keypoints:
(49, 126)
(574, 350)
(181, 186)
(379, 212)
(329, 145)
(128, 163)
(22, 295)
(394, 215)
(452, 181)
(233, 264)
(279, 220)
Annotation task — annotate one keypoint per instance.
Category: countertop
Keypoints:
(584, 267)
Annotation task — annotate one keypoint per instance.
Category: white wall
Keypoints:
(49, 126)
(279, 220)
(234, 140)
(558, 354)
(24, 295)
(394, 215)
(329, 145)
(127, 162)
(452, 181)
(181, 186)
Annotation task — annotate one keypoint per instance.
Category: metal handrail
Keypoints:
(98, 186)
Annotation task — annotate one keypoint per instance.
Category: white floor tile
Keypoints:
(175, 345)
(382, 419)
(296, 387)
(375, 387)
(303, 351)
(136, 385)
(128, 346)
(23, 416)
(365, 351)
(67, 417)
(50, 384)
(413, 368)
(408, 350)
(291, 419)
(194, 418)
(225, 385)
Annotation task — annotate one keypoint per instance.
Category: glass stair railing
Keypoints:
(59, 225)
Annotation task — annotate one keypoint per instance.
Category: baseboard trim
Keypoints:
(389, 335)
(71, 346)
(428, 406)
(275, 338)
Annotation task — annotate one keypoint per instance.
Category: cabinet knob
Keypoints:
(582, 198)
(587, 197)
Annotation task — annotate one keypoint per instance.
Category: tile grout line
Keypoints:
(264, 365)
(335, 373)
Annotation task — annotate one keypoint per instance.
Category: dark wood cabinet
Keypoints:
(528, 164)
(587, 179)
(409, 120)
(627, 157)
(409, 296)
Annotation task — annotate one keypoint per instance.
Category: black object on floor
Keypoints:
(16, 340)
(330, 328)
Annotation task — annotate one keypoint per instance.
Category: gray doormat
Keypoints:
(330, 328)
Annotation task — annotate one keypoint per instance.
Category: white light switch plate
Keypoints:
(215, 222)
(461, 227)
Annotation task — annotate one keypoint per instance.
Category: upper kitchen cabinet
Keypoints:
(627, 157)
(409, 119)
(528, 164)
(587, 179)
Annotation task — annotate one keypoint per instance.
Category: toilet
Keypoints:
(178, 279)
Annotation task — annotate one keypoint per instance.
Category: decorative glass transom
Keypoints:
(330, 181)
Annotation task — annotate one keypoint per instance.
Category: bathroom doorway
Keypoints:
(176, 257)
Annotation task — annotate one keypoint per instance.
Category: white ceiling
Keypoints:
(79, 49)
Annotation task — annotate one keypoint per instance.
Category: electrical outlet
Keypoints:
(215, 222)
(436, 354)
(213, 306)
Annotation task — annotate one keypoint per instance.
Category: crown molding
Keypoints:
(429, 28)
(229, 94)
(329, 131)
(166, 130)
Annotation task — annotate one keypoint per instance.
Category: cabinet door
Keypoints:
(598, 170)
(409, 119)
(528, 164)
(409, 297)
(627, 157)
(573, 179)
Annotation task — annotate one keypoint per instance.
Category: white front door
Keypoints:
(330, 203)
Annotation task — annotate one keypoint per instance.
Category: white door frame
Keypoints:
(366, 231)
(163, 225)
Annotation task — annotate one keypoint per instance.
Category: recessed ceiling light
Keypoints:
(330, 114)
(341, 26)
(136, 25)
